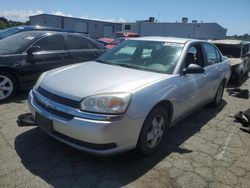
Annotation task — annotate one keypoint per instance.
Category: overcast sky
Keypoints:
(231, 14)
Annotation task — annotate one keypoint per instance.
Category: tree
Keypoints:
(3, 25)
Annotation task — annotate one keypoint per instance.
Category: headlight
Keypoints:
(114, 103)
(40, 79)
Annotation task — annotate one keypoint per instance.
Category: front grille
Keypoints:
(56, 98)
(53, 111)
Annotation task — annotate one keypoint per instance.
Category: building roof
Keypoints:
(75, 18)
(165, 39)
(229, 41)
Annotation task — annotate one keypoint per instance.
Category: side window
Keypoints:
(218, 55)
(211, 54)
(54, 42)
(76, 43)
(91, 45)
(194, 56)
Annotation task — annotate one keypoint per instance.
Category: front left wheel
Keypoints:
(153, 131)
(7, 86)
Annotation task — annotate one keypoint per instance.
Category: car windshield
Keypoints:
(17, 42)
(231, 51)
(153, 56)
(10, 31)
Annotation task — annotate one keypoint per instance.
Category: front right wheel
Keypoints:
(153, 131)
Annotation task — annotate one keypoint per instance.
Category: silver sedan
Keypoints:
(131, 95)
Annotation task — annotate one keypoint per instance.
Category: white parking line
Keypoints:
(220, 155)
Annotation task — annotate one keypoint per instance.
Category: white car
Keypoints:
(131, 95)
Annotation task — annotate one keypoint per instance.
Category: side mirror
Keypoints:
(33, 49)
(193, 69)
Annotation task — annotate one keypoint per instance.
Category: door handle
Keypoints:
(220, 69)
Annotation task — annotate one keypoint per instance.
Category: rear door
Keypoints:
(82, 49)
(213, 69)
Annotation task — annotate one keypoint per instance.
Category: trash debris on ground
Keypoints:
(26, 119)
(243, 117)
(237, 92)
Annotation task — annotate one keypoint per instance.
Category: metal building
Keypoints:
(95, 28)
(181, 29)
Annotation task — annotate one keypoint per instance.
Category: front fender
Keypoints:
(144, 99)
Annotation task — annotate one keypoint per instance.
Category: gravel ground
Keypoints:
(207, 149)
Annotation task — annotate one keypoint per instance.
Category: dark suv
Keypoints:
(25, 55)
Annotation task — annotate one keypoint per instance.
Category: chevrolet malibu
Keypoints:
(131, 95)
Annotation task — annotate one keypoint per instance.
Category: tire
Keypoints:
(153, 131)
(218, 96)
(239, 79)
(8, 86)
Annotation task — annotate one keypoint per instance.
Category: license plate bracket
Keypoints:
(44, 123)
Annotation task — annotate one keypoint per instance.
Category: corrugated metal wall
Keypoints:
(96, 29)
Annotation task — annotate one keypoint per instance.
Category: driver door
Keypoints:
(193, 86)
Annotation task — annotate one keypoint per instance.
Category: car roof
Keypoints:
(230, 41)
(166, 39)
(37, 27)
(42, 32)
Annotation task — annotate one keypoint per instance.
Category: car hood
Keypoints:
(234, 61)
(78, 81)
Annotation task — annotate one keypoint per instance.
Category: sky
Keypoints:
(231, 14)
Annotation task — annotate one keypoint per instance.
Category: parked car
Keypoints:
(17, 29)
(105, 41)
(24, 56)
(238, 52)
(129, 96)
(110, 40)
(126, 34)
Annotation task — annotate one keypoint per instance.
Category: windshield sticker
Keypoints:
(173, 44)
(29, 37)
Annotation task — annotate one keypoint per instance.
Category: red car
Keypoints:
(112, 40)
(105, 41)
(126, 34)
(116, 42)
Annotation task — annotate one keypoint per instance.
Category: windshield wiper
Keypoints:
(127, 65)
(102, 61)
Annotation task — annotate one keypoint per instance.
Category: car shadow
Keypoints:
(20, 97)
(63, 166)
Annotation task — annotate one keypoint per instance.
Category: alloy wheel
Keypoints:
(155, 133)
(6, 87)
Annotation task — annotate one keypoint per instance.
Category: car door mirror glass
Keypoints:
(193, 69)
(33, 49)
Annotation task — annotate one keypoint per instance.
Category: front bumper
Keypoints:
(93, 133)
